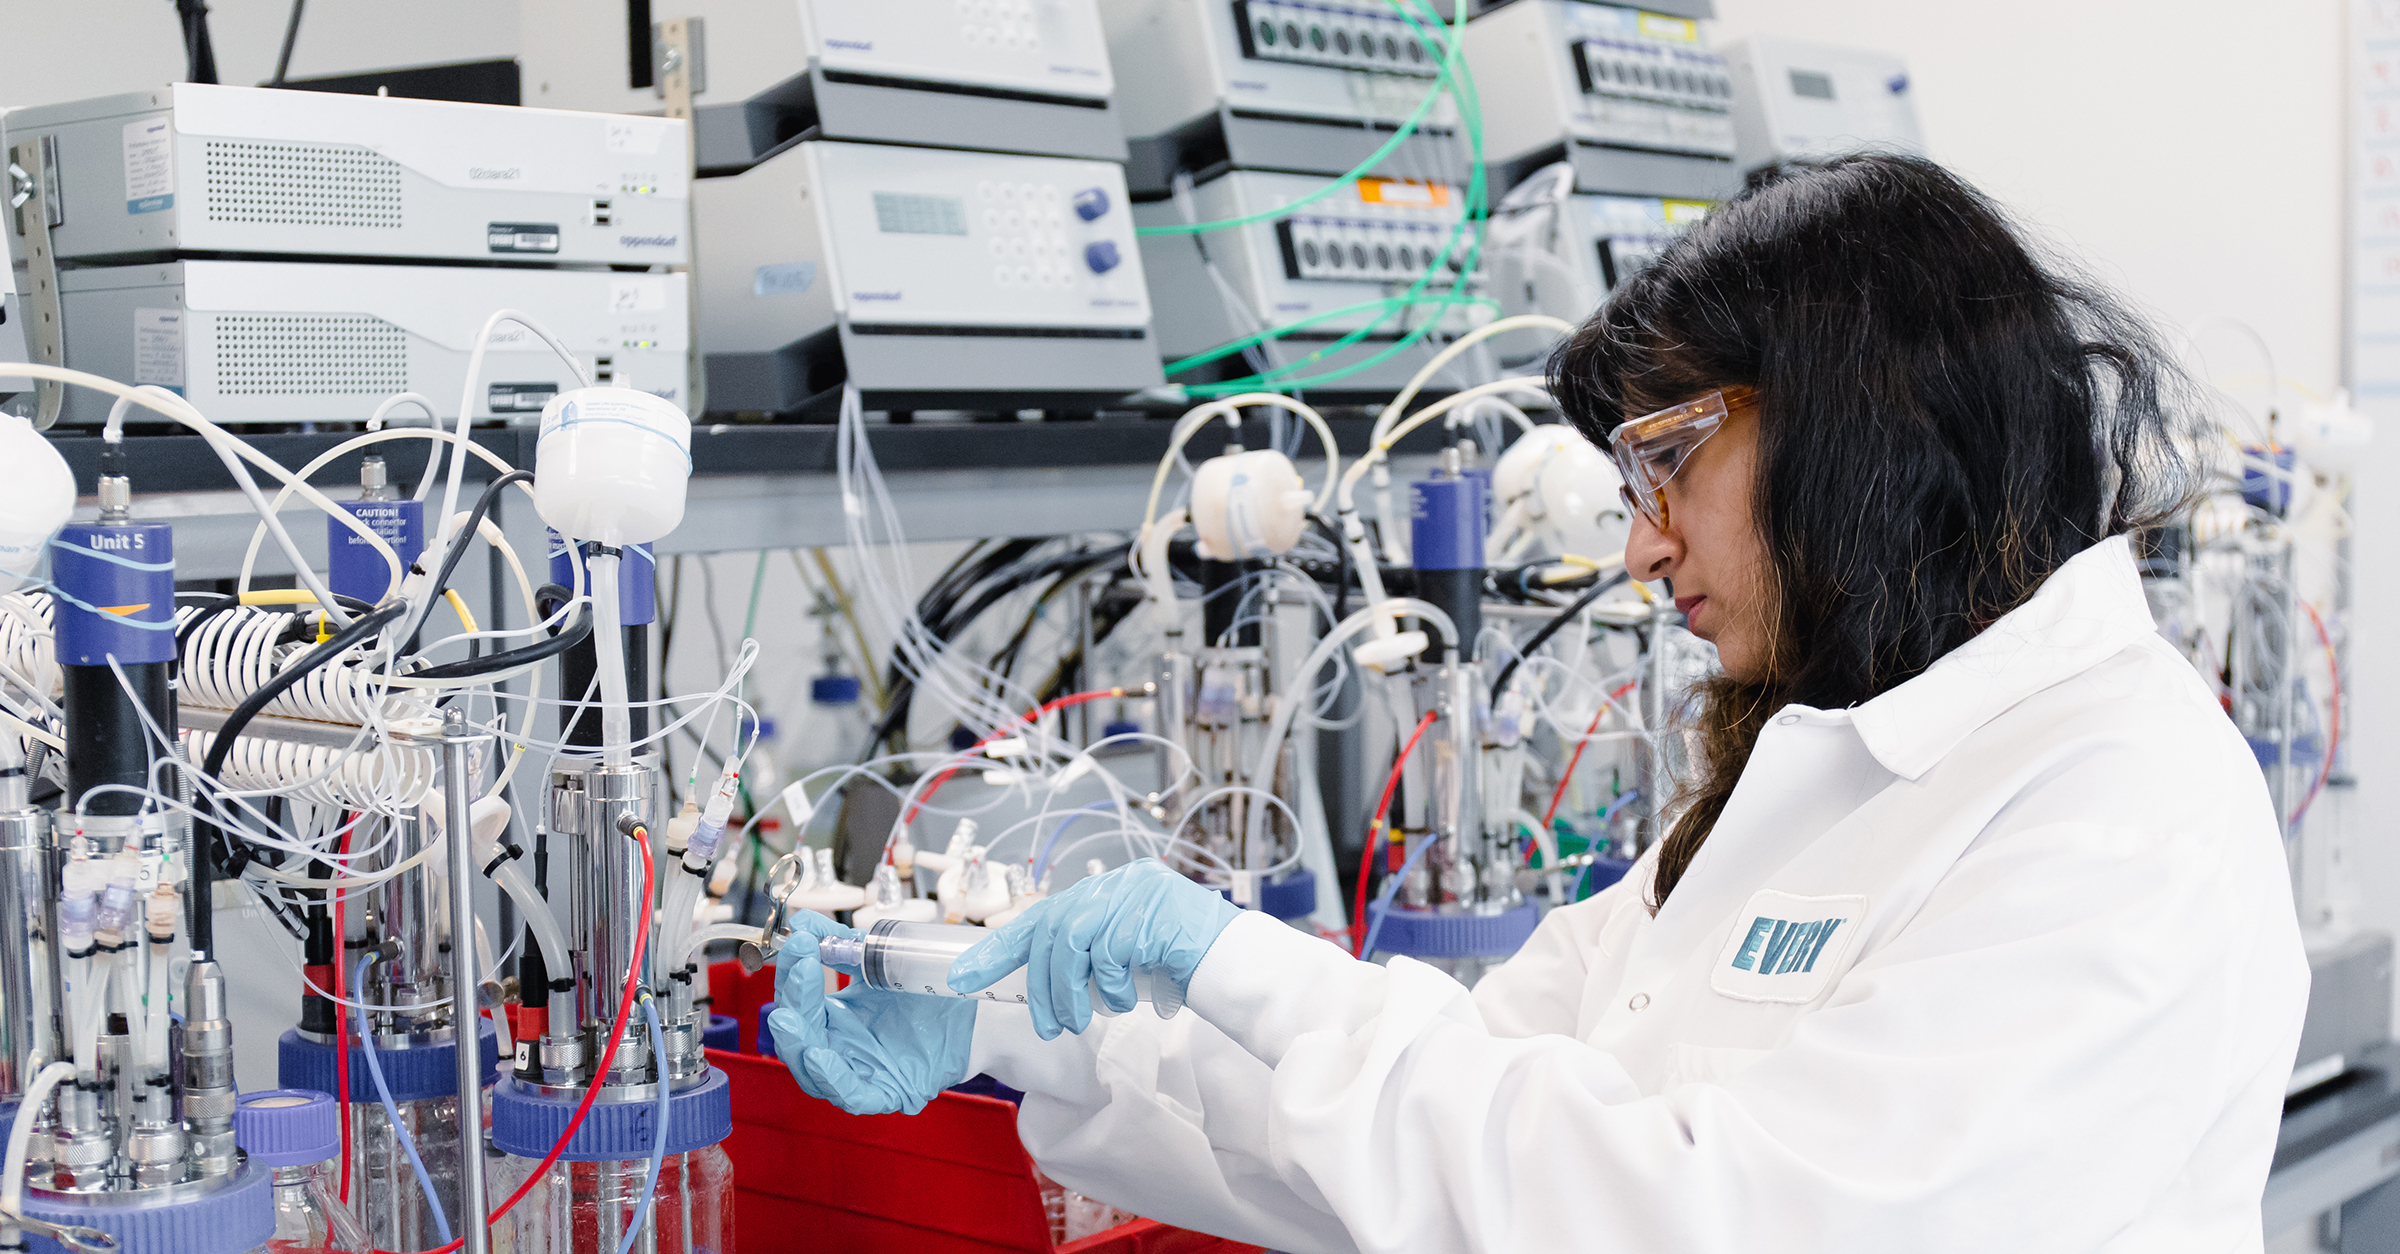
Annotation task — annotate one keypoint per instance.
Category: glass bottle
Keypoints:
(582, 1208)
(297, 1134)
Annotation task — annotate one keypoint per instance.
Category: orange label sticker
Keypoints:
(1404, 192)
(125, 610)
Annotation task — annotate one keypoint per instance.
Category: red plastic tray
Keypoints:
(951, 1180)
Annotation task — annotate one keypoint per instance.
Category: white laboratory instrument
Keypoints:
(1552, 250)
(275, 341)
(1006, 75)
(191, 168)
(1798, 101)
(1369, 241)
(1313, 87)
(1635, 101)
(926, 278)
(12, 306)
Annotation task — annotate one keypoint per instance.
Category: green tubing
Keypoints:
(1380, 305)
(1400, 136)
(1453, 75)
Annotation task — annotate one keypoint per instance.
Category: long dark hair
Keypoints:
(1944, 421)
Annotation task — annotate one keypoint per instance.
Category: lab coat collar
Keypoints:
(2086, 612)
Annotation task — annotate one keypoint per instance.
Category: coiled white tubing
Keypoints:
(29, 653)
(383, 777)
(234, 654)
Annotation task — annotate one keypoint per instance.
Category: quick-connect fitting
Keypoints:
(208, 1096)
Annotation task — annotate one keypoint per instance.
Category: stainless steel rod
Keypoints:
(458, 794)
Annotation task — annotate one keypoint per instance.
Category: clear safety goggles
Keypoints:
(1649, 450)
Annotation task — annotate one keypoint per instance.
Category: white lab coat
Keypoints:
(2037, 987)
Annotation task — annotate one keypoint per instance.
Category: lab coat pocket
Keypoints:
(1709, 1064)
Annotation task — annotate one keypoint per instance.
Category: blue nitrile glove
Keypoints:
(1140, 915)
(865, 1050)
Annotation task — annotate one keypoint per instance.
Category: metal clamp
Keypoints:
(33, 195)
(782, 882)
(72, 1236)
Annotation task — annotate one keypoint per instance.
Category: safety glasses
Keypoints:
(1649, 450)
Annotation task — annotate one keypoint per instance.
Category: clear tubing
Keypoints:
(608, 637)
(1287, 707)
(90, 1005)
(681, 932)
(391, 1110)
(154, 1015)
(658, 1134)
(536, 912)
(901, 957)
(20, 1134)
(723, 931)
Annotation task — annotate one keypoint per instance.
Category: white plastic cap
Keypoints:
(612, 464)
(1566, 489)
(1248, 505)
(1377, 654)
(40, 496)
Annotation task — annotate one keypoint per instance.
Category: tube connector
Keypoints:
(208, 1095)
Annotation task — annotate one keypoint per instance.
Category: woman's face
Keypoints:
(1711, 549)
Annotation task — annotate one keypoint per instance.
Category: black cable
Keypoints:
(183, 634)
(1091, 562)
(1341, 566)
(199, 55)
(291, 35)
(203, 920)
(936, 609)
(1109, 611)
(1552, 627)
(458, 549)
(458, 543)
(573, 634)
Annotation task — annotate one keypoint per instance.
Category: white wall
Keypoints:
(2189, 151)
(70, 49)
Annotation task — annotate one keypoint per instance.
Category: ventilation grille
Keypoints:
(301, 185)
(309, 355)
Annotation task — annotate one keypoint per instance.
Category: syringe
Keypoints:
(903, 957)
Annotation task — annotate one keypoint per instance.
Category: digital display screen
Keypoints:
(1811, 84)
(908, 213)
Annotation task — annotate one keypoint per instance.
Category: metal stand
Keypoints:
(457, 795)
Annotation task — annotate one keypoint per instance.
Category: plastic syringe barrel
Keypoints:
(902, 957)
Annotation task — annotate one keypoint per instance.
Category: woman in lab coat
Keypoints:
(1973, 932)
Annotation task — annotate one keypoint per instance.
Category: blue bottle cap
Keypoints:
(287, 1127)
